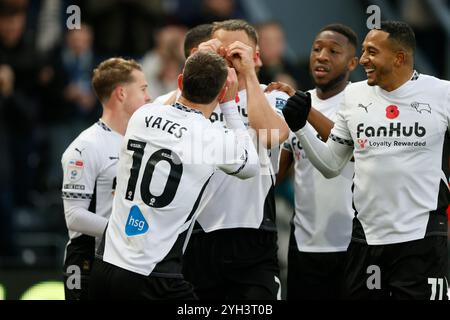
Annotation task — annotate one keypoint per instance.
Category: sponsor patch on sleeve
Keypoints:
(75, 170)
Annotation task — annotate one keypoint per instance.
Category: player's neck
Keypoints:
(205, 109)
(399, 78)
(115, 121)
(327, 92)
(324, 95)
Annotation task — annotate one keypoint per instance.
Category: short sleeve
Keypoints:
(80, 168)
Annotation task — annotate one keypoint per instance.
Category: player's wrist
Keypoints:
(250, 77)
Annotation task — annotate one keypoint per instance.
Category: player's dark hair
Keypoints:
(204, 75)
(111, 73)
(237, 25)
(344, 30)
(401, 33)
(195, 36)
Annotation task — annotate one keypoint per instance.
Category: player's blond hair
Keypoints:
(111, 73)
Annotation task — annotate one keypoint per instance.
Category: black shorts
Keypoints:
(76, 286)
(77, 267)
(111, 282)
(409, 270)
(239, 264)
(314, 276)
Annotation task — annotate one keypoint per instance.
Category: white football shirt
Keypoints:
(232, 203)
(167, 158)
(323, 207)
(400, 142)
(89, 165)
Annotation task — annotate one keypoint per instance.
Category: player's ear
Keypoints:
(119, 93)
(193, 50)
(257, 58)
(352, 64)
(180, 82)
(400, 58)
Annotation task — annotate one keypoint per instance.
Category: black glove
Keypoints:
(297, 109)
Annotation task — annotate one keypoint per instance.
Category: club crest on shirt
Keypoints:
(421, 107)
(75, 170)
(280, 103)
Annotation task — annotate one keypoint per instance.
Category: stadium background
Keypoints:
(46, 100)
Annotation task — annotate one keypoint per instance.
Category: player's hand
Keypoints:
(241, 57)
(213, 45)
(231, 85)
(296, 110)
(280, 86)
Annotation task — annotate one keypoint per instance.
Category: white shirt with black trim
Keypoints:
(400, 141)
(231, 203)
(323, 207)
(167, 158)
(89, 165)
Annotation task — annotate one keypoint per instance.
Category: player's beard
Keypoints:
(333, 83)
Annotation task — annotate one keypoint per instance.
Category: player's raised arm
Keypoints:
(240, 158)
(329, 158)
(317, 119)
(262, 117)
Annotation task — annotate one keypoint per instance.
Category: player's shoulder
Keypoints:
(163, 98)
(357, 91)
(154, 105)
(145, 110)
(431, 82)
(356, 87)
(89, 141)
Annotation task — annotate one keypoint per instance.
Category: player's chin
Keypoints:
(371, 82)
(321, 81)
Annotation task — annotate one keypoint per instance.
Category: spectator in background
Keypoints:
(6, 201)
(78, 61)
(122, 27)
(17, 47)
(49, 24)
(429, 34)
(20, 66)
(162, 65)
(66, 94)
(193, 13)
(275, 65)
